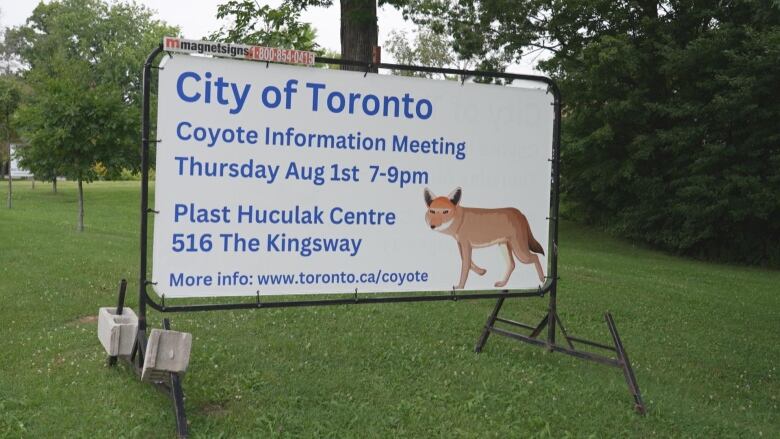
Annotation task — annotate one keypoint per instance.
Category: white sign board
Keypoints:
(296, 180)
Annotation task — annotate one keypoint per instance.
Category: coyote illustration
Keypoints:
(476, 228)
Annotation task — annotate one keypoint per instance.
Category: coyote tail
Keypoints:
(533, 244)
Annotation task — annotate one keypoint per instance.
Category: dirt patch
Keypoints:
(58, 361)
(86, 319)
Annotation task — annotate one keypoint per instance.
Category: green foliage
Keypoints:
(357, 14)
(434, 49)
(75, 124)
(10, 96)
(265, 26)
(427, 49)
(84, 59)
(670, 112)
(253, 23)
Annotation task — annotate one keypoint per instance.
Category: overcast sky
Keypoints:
(196, 18)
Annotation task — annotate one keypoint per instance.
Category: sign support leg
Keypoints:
(172, 388)
(620, 359)
(488, 325)
(538, 329)
(552, 317)
(628, 371)
(177, 397)
(119, 309)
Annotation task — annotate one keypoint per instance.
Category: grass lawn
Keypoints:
(704, 340)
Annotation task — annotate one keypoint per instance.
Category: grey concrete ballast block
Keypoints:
(166, 351)
(117, 332)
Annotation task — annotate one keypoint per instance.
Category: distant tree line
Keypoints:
(80, 70)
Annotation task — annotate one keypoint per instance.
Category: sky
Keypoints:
(199, 20)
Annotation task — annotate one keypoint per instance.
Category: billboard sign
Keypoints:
(281, 179)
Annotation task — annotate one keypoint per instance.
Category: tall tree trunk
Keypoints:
(81, 206)
(54, 185)
(359, 32)
(10, 180)
(10, 185)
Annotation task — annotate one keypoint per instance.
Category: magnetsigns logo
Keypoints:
(231, 50)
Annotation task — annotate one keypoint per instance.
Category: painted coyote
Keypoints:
(475, 228)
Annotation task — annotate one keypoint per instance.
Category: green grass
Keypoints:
(704, 340)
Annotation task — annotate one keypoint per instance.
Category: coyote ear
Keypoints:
(455, 196)
(428, 197)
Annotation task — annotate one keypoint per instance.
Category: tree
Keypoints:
(9, 100)
(428, 48)
(669, 130)
(359, 32)
(9, 59)
(84, 59)
(40, 163)
(265, 26)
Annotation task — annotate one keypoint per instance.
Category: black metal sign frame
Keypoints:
(551, 320)
(147, 139)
